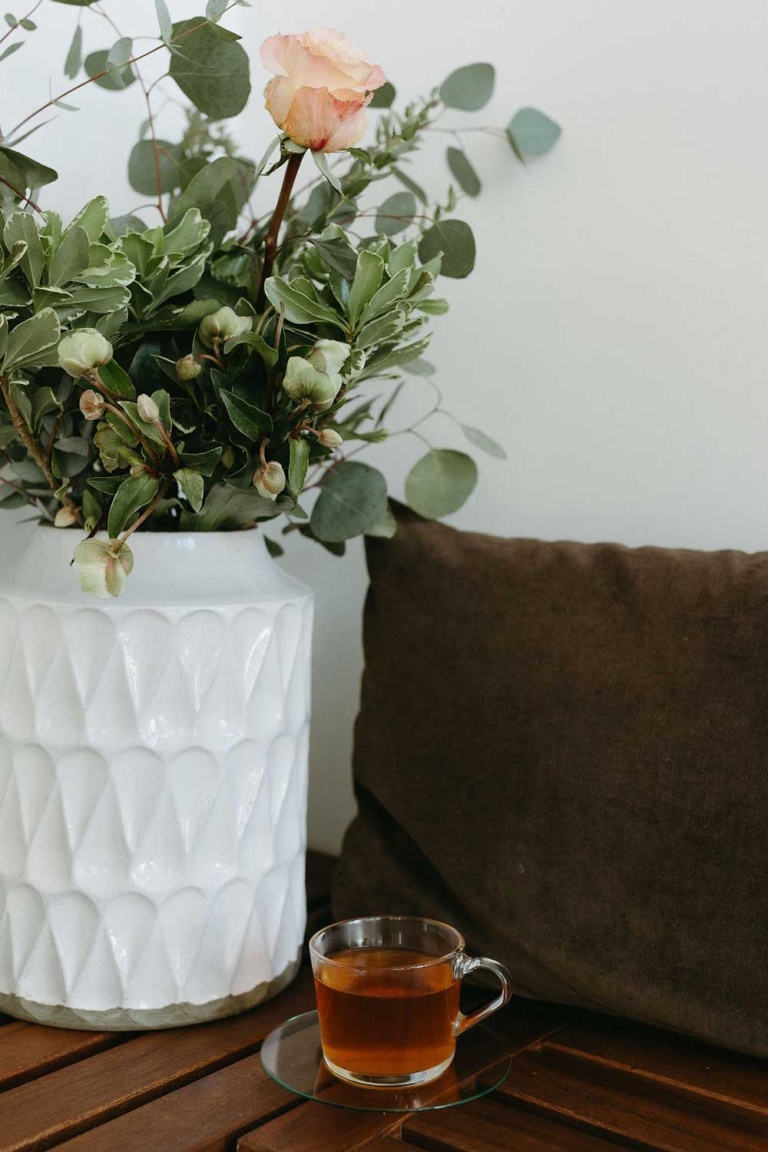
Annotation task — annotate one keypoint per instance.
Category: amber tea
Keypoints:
(387, 1011)
(388, 998)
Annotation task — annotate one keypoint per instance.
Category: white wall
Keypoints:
(614, 332)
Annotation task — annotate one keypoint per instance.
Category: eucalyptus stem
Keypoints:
(270, 240)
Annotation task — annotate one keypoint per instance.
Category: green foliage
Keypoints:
(233, 361)
(469, 88)
(440, 483)
(532, 133)
(212, 71)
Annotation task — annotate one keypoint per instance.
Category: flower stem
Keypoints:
(270, 240)
(33, 446)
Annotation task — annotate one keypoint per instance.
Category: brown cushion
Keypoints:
(562, 749)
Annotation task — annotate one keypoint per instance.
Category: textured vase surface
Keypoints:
(153, 782)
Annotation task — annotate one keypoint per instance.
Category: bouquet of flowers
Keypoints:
(215, 369)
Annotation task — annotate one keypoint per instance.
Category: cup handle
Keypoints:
(469, 964)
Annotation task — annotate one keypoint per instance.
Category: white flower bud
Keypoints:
(92, 404)
(83, 350)
(188, 368)
(102, 566)
(303, 382)
(147, 408)
(223, 325)
(65, 517)
(269, 480)
(328, 356)
(330, 439)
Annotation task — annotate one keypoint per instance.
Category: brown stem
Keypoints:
(13, 27)
(145, 442)
(270, 240)
(34, 447)
(21, 195)
(168, 442)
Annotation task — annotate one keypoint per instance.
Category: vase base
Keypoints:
(144, 1019)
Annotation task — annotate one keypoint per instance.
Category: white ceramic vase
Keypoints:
(153, 781)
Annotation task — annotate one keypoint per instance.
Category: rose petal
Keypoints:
(318, 121)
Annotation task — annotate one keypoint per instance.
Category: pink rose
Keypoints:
(321, 85)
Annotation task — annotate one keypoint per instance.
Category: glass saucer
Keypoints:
(292, 1056)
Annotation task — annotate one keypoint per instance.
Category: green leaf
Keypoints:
(455, 241)
(227, 508)
(440, 483)
(275, 550)
(353, 498)
(258, 343)
(389, 293)
(381, 330)
(101, 72)
(132, 495)
(76, 3)
(532, 133)
(192, 486)
(297, 466)
(34, 342)
(92, 218)
(396, 213)
(203, 462)
(386, 527)
(481, 440)
(22, 172)
(215, 9)
(383, 97)
(20, 228)
(143, 170)
(212, 72)
(9, 51)
(469, 88)
(120, 53)
(337, 254)
(322, 165)
(100, 300)
(74, 60)
(248, 419)
(463, 172)
(410, 184)
(164, 20)
(70, 258)
(368, 277)
(300, 308)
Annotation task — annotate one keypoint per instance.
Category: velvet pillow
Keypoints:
(562, 749)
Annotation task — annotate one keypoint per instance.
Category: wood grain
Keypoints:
(29, 1050)
(628, 1108)
(489, 1126)
(206, 1116)
(71, 1100)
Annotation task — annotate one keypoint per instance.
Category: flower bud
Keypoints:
(330, 439)
(92, 404)
(65, 517)
(269, 480)
(102, 566)
(147, 408)
(228, 457)
(188, 368)
(317, 379)
(223, 325)
(83, 350)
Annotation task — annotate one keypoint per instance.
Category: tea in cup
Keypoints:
(387, 992)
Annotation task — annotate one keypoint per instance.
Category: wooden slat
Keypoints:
(77, 1098)
(338, 1130)
(206, 1116)
(670, 1059)
(630, 1108)
(30, 1050)
(387, 1144)
(489, 1126)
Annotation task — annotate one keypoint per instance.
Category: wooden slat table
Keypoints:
(578, 1083)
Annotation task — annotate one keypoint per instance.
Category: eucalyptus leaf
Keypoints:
(384, 96)
(103, 74)
(396, 213)
(212, 72)
(151, 175)
(74, 60)
(22, 172)
(164, 20)
(353, 498)
(532, 133)
(469, 88)
(463, 172)
(454, 240)
(440, 482)
(481, 440)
